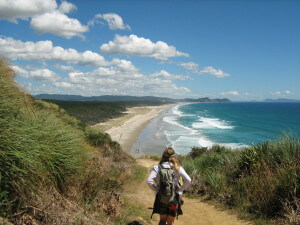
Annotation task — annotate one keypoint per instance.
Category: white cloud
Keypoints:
(64, 68)
(165, 75)
(28, 87)
(120, 72)
(233, 93)
(20, 71)
(120, 78)
(43, 75)
(45, 16)
(276, 93)
(59, 24)
(44, 50)
(63, 84)
(281, 93)
(66, 7)
(14, 9)
(194, 68)
(39, 74)
(41, 89)
(139, 46)
(115, 22)
(190, 66)
(215, 72)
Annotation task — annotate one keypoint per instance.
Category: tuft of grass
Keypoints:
(99, 139)
(263, 179)
(54, 169)
(140, 173)
(134, 213)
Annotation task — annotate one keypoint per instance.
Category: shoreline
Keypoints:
(126, 129)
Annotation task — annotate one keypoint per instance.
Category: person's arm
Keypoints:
(186, 180)
(152, 177)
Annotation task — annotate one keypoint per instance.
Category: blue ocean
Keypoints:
(234, 125)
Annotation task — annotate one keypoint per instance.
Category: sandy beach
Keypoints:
(126, 129)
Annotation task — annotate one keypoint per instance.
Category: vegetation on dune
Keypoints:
(54, 169)
(93, 112)
(263, 180)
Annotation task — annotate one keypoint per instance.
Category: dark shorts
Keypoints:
(163, 209)
(166, 210)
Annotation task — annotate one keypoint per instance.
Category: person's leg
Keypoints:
(170, 220)
(163, 219)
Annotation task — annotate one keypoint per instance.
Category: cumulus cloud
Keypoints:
(64, 68)
(215, 72)
(63, 84)
(66, 7)
(190, 66)
(44, 50)
(281, 93)
(46, 16)
(233, 93)
(165, 75)
(58, 23)
(115, 22)
(121, 78)
(122, 71)
(38, 75)
(139, 46)
(12, 10)
(194, 68)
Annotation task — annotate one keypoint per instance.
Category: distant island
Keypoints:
(121, 98)
(281, 100)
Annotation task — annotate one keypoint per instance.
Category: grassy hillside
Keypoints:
(93, 112)
(54, 169)
(263, 180)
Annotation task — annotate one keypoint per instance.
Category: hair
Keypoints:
(168, 156)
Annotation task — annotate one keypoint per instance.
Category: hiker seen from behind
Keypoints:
(169, 180)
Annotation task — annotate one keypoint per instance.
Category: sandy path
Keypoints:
(195, 211)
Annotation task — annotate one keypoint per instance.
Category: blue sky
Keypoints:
(242, 50)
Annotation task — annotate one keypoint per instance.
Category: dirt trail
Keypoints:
(195, 211)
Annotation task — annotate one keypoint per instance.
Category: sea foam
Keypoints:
(176, 111)
(172, 120)
(185, 135)
(208, 123)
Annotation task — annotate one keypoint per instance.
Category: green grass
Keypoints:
(53, 167)
(134, 212)
(139, 173)
(263, 180)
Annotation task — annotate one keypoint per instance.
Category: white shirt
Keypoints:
(154, 176)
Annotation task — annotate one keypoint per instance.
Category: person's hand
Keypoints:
(181, 200)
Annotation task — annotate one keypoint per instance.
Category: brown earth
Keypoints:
(195, 211)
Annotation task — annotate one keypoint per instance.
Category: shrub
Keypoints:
(99, 139)
(196, 152)
(262, 179)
